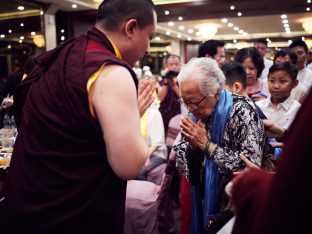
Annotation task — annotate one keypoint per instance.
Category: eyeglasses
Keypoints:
(194, 106)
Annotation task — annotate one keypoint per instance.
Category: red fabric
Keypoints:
(186, 209)
(282, 205)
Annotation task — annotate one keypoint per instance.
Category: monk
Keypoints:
(78, 115)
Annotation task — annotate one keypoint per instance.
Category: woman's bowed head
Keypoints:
(200, 82)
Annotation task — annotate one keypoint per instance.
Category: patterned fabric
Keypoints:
(243, 135)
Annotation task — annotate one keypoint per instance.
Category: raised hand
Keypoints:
(145, 94)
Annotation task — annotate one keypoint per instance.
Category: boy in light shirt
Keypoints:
(281, 108)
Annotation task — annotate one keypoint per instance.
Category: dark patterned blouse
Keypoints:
(243, 134)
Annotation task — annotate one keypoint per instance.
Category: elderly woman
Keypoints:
(220, 127)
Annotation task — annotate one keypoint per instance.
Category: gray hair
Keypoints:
(205, 72)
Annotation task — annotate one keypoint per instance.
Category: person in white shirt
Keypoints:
(262, 46)
(281, 108)
(304, 74)
(300, 92)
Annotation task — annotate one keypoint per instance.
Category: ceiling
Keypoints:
(260, 18)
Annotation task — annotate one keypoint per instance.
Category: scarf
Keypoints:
(201, 211)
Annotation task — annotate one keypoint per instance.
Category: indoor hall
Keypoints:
(29, 28)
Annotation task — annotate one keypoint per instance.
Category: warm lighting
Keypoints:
(207, 30)
(38, 40)
(20, 8)
(167, 12)
(239, 14)
(74, 6)
(307, 25)
(224, 20)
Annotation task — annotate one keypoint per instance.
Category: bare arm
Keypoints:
(113, 100)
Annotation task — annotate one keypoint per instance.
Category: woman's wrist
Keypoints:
(212, 148)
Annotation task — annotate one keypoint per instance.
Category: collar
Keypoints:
(285, 104)
(116, 50)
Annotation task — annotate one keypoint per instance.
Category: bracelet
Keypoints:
(205, 149)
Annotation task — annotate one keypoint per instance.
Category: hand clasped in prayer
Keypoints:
(195, 134)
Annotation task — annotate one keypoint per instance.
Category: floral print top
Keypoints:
(243, 134)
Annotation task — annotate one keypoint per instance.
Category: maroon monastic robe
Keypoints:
(60, 180)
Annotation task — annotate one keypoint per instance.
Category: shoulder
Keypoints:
(242, 107)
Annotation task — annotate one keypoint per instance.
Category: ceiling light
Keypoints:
(286, 25)
(207, 30)
(179, 36)
(157, 38)
(308, 9)
(181, 28)
(167, 12)
(230, 25)
(41, 12)
(22, 37)
(9, 46)
(232, 8)
(62, 30)
(239, 14)
(307, 25)
(224, 20)
(180, 18)
(285, 21)
(241, 31)
(190, 30)
(284, 16)
(38, 40)
(10, 31)
(20, 8)
(62, 38)
(168, 33)
(235, 41)
(303, 38)
(2, 36)
(74, 6)
(20, 41)
(289, 42)
(33, 33)
(189, 38)
(308, 1)
(236, 28)
(170, 24)
(22, 24)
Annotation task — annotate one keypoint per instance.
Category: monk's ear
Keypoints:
(130, 27)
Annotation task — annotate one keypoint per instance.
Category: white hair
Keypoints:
(205, 72)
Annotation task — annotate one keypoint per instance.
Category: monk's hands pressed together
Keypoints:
(195, 134)
(145, 94)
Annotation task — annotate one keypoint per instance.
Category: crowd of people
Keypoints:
(88, 125)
